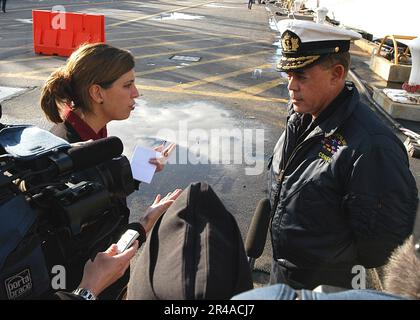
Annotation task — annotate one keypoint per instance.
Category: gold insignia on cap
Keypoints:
(336, 49)
(290, 42)
(287, 64)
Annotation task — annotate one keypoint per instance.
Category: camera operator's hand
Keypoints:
(106, 268)
(166, 152)
(159, 206)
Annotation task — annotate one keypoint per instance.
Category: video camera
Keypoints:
(59, 205)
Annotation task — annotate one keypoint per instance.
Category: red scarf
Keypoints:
(82, 128)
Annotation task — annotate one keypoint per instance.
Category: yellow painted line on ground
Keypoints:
(234, 95)
(28, 74)
(111, 41)
(138, 57)
(148, 31)
(171, 53)
(21, 76)
(156, 37)
(160, 13)
(27, 59)
(199, 33)
(243, 96)
(226, 58)
(48, 69)
(183, 34)
(170, 43)
(259, 88)
(38, 71)
(221, 76)
(138, 74)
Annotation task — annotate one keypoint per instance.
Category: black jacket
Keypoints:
(342, 195)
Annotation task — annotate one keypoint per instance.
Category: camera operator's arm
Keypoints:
(106, 268)
(158, 207)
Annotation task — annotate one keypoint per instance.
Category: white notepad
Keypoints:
(141, 168)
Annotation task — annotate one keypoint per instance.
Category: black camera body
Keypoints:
(59, 206)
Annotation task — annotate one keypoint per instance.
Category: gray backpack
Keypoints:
(195, 251)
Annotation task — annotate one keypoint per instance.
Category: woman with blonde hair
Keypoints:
(94, 87)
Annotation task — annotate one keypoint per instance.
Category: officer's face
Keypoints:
(312, 89)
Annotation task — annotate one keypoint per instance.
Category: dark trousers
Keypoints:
(3, 5)
(250, 2)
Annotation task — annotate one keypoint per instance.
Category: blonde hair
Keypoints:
(91, 64)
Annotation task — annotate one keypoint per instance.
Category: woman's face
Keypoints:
(118, 100)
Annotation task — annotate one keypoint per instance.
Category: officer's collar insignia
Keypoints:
(290, 42)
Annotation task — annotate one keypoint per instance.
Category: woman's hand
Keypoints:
(166, 152)
(106, 268)
(159, 206)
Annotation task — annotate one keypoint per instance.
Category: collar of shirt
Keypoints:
(81, 127)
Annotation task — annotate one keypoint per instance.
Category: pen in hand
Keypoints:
(165, 153)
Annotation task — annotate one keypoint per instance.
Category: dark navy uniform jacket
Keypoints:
(341, 192)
